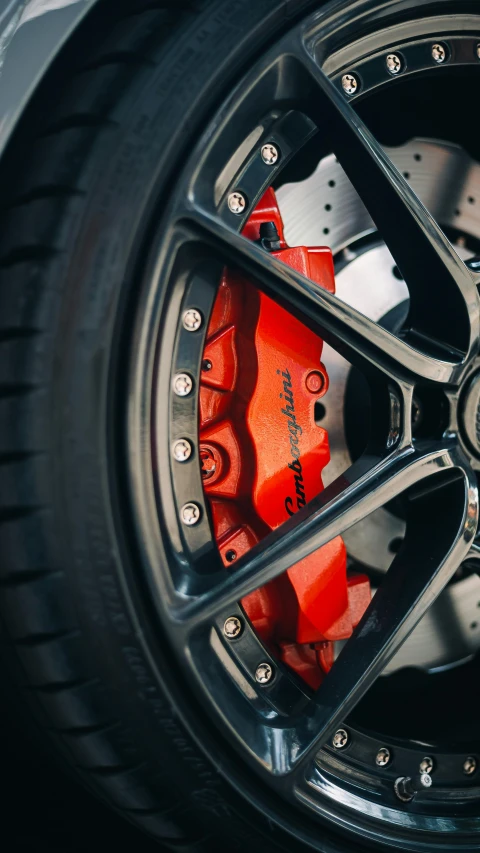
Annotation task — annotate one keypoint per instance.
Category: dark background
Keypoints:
(43, 809)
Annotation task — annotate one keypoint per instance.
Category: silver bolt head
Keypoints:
(192, 320)
(469, 765)
(425, 780)
(478, 50)
(439, 53)
(233, 627)
(426, 765)
(182, 384)
(394, 63)
(237, 202)
(269, 154)
(349, 83)
(340, 739)
(182, 450)
(264, 673)
(383, 757)
(191, 514)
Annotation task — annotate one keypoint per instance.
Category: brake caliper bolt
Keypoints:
(469, 765)
(439, 53)
(206, 365)
(426, 765)
(237, 202)
(182, 384)
(264, 673)
(340, 739)
(233, 627)
(231, 556)
(394, 63)
(211, 462)
(269, 154)
(182, 450)
(191, 514)
(315, 382)
(192, 320)
(383, 757)
(350, 84)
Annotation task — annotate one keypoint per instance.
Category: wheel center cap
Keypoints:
(470, 413)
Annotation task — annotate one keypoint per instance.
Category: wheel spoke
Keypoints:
(367, 485)
(360, 339)
(444, 524)
(440, 284)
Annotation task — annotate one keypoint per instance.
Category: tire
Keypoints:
(77, 638)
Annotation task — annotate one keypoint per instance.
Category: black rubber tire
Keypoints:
(99, 142)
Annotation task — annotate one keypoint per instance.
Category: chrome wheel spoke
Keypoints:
(367, 485)
(424, 255)
(417, 576)
(361, 340)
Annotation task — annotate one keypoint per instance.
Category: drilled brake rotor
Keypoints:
(325, 208)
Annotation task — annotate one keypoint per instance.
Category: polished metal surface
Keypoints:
(439, 53)
(190, 514)
(325, 209)
(31, 34)
(264, 673)
(383, 757)
(232, 627)
(349, 83)
(340, 739)
(237, 203)
(182, 384)
(394, 63)
(192, 320)
(182, 450)
(269, 154)
(470, 414)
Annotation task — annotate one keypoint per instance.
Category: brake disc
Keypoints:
(325, 208)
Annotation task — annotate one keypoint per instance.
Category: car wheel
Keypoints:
(239, 397)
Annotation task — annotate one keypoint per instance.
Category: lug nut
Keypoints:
(191, 514)
(269, 154)
(350, 84)
(182, 450)
(406, 788)
(237, 202)
(469, 765)
(439, 53)
(426, 765)
(394, 63)
(383, 757)
(192, 320)
(233, 627)
(340, 739)
(264, 673)
(182, 384)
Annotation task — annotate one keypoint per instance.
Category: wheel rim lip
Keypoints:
(150, 499)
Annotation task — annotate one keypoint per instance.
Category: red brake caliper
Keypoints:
(262, 453)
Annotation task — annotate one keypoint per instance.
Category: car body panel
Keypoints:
(31, 35)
